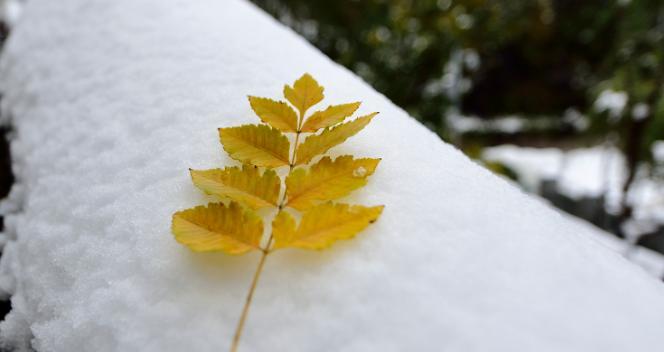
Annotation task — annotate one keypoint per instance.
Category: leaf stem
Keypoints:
(245, 310)
(247, 303)
(297, 140)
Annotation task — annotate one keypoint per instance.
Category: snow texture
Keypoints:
(10, 11)
(651, 261)
(112, 101)
(587, 172)
(578, 173)
(583, 172)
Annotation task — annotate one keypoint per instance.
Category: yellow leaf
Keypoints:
(327, 180)
(283, 228)
(333, 115)
(330, 137)
(321, 226)
(258, 145)
(304, 94)
(277, 114)
(245, 185)
(218, 227)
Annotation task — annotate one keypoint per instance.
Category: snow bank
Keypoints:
(112, 101)
(590, 172)
(583, 172)
(587, 172)
(651, 261)
(10, 11)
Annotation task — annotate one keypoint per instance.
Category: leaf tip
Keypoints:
(379, 211)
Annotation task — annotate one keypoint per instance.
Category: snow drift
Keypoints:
(112, 101)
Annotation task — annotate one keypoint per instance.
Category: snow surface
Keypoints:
(649, 260)
(10, 11)
(587, 172)
(532, 165)
(112, 101)
(578, 174)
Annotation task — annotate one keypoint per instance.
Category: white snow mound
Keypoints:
(112, 101)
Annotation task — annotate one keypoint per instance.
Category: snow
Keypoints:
(658, 151)
(112, 101)
(10, 11)
(586, 173)
(640, 111)
(510, 124)
(464, 124)
(611, 101)
(579, 173)
(647, 196)
(592, 172)
(531, 164)
(649, 260)
(583, 172)
(453, 83)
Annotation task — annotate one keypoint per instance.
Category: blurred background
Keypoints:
(563, 97)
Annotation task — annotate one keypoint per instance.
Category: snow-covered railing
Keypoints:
(593, 179)
(112, 101)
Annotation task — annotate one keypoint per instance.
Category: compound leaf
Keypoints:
(305, 93)
(327, 180)
(277, 114)
(330, 137)
(245, 185)
(258, 145)
(217, 227)
(327, 223)
(236, 228)
(331, 116)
